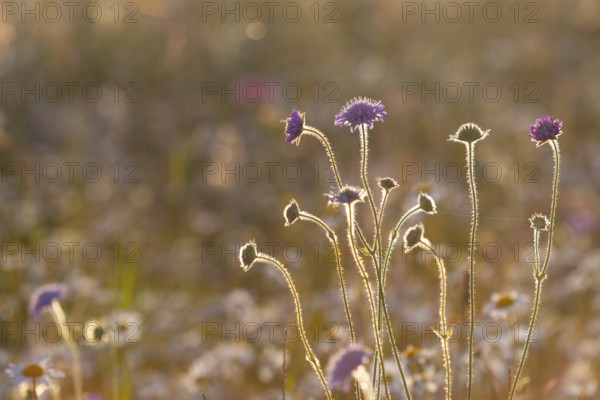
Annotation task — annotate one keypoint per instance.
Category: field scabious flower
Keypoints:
(345, 195)
(360, 110)
(43, 296)
(343, 363)
(545, 128)
(294, 125)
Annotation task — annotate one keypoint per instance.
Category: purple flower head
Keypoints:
(545, 128)
(343, 363)
(358, 111)
(346, 195)
(294, 125)
(43, 296)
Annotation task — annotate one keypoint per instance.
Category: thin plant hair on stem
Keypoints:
(539, 272)
(469, 134)
(376, 253)
(332, 237)
(444, 333)
(365, 277)
(248, 257)
(325, 142)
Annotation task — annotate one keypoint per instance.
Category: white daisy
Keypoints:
(36, 374)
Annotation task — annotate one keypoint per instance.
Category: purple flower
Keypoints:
(43, 296)
(294, 125)
(358, 111)
(346, 195)
(343, 363)
(545, 128)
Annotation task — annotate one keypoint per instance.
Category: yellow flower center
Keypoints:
(505, 300)
(32, 371)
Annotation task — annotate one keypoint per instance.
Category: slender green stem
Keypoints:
(393, 238)
(311, 357)
(364, 153)
(391, 241)
(536, 251)
(382, 307)
(540, 272)
(536, 306)
(59, 317)
(325, 142)
(386, 194)
(473, 192)
(443, 321)
(336, 249)
(556, 153)
(388, 324)
(363, 241)
(365, 277)
(364, 135)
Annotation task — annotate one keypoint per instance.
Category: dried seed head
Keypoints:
(539, 222)
(469, 133)
(387, 184)
(413, 237)
(427, 204)
(248, 254)
(291, 212)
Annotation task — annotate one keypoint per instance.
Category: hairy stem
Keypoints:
(310, 355)
(325, 142)
(532, 321)
(364, 155)
(475, 214)
(540, 272)
(443, 321)
(556, 153)
(393, 239)
(336, 248)
(365, 277)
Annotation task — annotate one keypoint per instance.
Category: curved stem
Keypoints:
(443, 321)
(365, 277)
(473, 192)
(334, 242)
(310, 355)
(325, 142)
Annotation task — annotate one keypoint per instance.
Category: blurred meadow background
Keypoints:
(141, 145)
